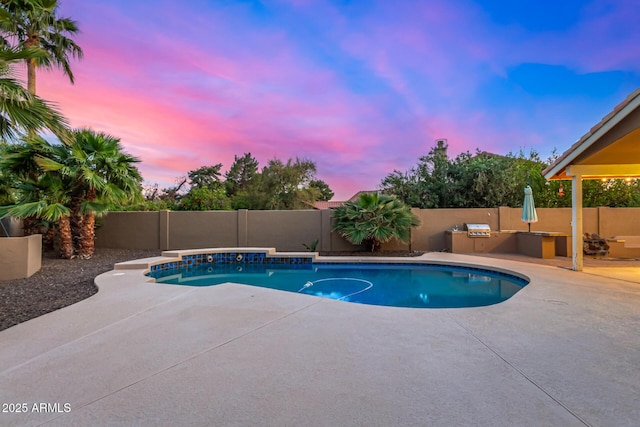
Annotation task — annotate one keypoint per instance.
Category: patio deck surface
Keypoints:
(564, 351)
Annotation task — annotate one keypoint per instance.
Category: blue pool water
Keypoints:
(399, 285)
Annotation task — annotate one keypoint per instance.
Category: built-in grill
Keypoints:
(478, 230)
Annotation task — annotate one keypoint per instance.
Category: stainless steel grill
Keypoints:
(478, 230)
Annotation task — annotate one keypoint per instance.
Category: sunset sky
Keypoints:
(360, 87)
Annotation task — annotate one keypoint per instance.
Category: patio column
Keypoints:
(576, 221)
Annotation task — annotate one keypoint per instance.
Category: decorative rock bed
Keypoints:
(595, 245)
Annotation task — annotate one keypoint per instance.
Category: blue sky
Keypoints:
(359, 87)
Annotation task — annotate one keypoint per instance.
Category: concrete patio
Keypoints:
(564, 351)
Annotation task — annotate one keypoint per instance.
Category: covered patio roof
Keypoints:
(611, 149)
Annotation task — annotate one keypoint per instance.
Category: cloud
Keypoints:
(361, 88)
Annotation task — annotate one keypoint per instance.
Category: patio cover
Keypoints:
(611, 149)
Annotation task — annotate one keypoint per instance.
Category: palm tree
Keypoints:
(99, 175)
(39, 196)
(34, 24)
(5, 187)
(20, 110)
(21, 175)
(74, 183)
(374, 219)
(50, 207)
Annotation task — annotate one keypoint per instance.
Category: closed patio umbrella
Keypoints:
(529, 214)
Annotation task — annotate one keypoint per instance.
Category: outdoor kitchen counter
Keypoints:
(544, 244)
(538, 244)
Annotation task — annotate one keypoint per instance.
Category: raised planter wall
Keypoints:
(20, 257)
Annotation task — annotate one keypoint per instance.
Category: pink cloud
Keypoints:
(184, 87)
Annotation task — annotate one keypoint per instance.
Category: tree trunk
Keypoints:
(76, 222)
(32, 41)
(30, 225)
(373, 245)
(87, 237)
(86, 244)
(66, 244)
(31, 75)
(49, 237)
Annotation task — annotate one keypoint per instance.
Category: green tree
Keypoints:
(102, 175)
(95, 174)
(205, 199)
(241, 174)
(37, 196)
(35, 24)
(6, 196)
(490, 180)
(205, 177)
(285, 185)
(21, 111)
(206, 191)
(22, 175)
(323, 190)
(481, 180)
(404, 185)
(374, 219)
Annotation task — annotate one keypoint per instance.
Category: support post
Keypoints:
(576, 222)
(325, 230)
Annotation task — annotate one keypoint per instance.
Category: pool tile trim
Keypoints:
(174, 260)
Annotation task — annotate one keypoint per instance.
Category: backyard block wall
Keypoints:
(289, 230)
(429, 236)
(131, 230)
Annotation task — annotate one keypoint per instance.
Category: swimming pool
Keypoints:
(416, 285)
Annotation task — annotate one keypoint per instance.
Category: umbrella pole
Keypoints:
(529, 227)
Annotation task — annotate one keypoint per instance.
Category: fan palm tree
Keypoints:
(99, 175)
(20, 110)
(5, 186)
(374, 219)
(73, 183)
(50, 207)
(34, 24)
(21, 175)
(38, 195)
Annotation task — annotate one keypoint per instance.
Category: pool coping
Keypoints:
(177, 256)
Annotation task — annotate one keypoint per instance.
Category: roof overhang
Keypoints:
(611, 149)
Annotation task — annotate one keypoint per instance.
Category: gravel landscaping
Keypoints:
(59, 283)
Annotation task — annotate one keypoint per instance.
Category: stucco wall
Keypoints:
(549, 219)
(430, 235)
(208, 229)
(21, 256)
(284, 230)
(135, 230)
(289, 230)
(618, 222)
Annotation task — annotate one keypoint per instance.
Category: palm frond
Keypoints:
(54, 211)
(24, 210)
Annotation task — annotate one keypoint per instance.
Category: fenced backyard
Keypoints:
(291, 230)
